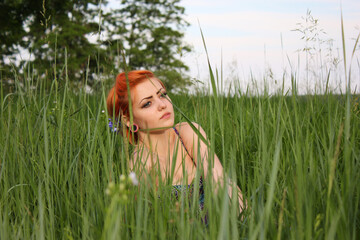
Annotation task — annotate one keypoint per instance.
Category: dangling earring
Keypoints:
(134, 128)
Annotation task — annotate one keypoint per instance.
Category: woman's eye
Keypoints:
(163, 94)
(146, 105)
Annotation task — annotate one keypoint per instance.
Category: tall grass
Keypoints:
(296, 159)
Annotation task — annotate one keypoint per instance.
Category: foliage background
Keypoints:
(144, 34)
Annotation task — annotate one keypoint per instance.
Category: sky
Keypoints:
(250, 38)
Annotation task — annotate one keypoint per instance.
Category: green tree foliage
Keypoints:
(150, 33)
(46, 28)
(64, 25)
(13, 14)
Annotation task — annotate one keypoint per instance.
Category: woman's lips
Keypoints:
(166, 115)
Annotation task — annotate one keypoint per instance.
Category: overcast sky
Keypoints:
(253, 36)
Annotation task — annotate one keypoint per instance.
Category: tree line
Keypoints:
(83, 39)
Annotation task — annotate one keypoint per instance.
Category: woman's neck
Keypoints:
(158, 142)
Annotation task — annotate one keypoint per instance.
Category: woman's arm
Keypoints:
(199, 151)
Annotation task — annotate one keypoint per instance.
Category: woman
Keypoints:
(170, 151)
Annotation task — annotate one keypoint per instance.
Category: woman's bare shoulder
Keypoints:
(187, 132)
(186, 126)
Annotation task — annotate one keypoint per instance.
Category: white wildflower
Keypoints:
(133, 178)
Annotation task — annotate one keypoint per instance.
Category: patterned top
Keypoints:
(178, 189)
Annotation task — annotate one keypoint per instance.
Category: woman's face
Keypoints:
(151, 107)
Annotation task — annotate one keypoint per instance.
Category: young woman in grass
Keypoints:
(161, 148)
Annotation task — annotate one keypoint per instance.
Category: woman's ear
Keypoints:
(125, 120)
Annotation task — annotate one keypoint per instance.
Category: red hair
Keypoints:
(117, 100)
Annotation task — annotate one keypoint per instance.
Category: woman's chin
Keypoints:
(168, 123)
(171, 123)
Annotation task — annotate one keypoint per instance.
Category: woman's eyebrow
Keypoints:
(158, 91)
(150, 96)
(144, 99)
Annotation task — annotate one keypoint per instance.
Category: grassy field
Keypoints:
(296, 159)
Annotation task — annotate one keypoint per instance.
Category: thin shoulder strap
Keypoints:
(177, 133)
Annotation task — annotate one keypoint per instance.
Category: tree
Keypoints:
(46, 28)
(12, 30)
(149, 31)
(65, 24)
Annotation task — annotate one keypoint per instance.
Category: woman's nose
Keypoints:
(162, 103)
